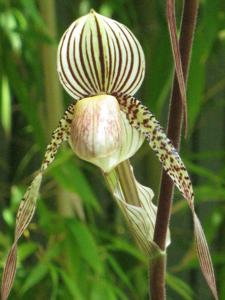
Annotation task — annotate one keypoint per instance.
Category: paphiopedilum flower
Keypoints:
(101, 65)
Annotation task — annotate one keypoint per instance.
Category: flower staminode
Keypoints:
(101, 65)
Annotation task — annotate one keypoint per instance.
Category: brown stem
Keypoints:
(158, 268)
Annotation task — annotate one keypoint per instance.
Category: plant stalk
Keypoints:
(53, 104)
(127, 182)
(53, 92)
(158, 267)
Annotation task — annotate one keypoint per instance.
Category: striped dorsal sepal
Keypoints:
(99, 55)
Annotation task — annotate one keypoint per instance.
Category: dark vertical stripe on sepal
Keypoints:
(99, 55)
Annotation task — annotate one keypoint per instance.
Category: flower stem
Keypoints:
(158, 267)
(127, 182)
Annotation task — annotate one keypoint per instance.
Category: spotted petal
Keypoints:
(143, 120)
(28, 203)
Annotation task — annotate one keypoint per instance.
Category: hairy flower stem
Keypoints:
(127, 182)
(158, 267)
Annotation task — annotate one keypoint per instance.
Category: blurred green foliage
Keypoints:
(85, 251)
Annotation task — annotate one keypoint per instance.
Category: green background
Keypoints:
(78, 246)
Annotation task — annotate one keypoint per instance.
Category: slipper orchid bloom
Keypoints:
(101, 65)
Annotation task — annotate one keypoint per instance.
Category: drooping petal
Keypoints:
(99, 55)
(28, 203)
(141, 216)
(24, 216)
(143, 120)
(101, 133)
(204, 255)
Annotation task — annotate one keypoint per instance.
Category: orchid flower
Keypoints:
(101, 65)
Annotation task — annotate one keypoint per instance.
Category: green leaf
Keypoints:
(204, 39)
(71, 286)
(69, 176)
(29, 106)
(204, 172)
(102, 290)
(180, 287)
(26, 249)
(5, 106)
(86, 244)
(117, 244)
(37, 274)
(55, 281)
(119, 271)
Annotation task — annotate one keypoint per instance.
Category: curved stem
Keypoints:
(158, 267)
